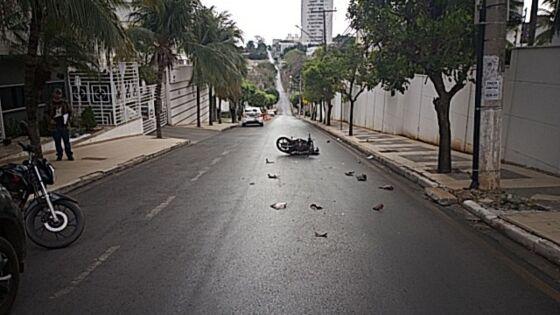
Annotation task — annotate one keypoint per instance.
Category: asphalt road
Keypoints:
(193, 232)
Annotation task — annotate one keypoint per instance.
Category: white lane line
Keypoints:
(226, 152)
(200, 173)
(83, 276)
(155, 211)
(215, 161)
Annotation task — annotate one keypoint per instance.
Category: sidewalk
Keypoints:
(226, 124)
(98, 160)
(530, 200)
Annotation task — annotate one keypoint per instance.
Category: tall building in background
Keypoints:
(312, 21)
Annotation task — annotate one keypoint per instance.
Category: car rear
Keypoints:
(252, 116)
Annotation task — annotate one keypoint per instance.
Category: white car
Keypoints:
(252, 115)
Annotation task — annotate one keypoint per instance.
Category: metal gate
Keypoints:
(115, 96)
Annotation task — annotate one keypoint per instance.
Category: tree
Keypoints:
(211, 48)
(164, 23)
(427, 37)
(355, 72)
(54, 34)
(550, 23)
(293, 64)
(321, 80)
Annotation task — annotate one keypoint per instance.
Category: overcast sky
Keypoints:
(276, 18)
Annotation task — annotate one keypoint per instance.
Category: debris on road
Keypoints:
(361, 178)
(324, 235)
(328, 141)
(350, 173)
(251, 184)
(272, 176)
(279, 205)
(269, 162)
(370, 157)
(315, 207)
(387, 187)
(378, 207)
(337, 139)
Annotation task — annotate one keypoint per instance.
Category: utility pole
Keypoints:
(324, 12)
(489, 95)
(533, 22)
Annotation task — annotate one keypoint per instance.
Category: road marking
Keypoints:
(155, 211)
(200, 173)
(83, 276)
(215, 161)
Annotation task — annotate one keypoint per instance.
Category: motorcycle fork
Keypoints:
(46, 194)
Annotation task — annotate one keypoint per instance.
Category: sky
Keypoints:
(277, 18)
(274, 18)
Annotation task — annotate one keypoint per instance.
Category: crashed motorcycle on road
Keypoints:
(297, 146)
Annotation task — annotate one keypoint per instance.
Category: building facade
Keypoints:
(312, 21)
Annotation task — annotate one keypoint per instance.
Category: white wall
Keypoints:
(532, 109)
(182, 97)
(412, 114)
(531, 129)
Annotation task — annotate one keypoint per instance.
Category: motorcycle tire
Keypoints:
(9, 276)
(281, 147)
(41, 229)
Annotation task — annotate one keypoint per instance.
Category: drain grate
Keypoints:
(93, 158)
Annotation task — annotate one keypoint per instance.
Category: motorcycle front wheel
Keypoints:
(283, 144)
(9, 275)
(44, 231)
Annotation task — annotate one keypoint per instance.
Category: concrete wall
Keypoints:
(532, 108)
(412, 114)
(531, 131)
(131, 128)
(182, 97)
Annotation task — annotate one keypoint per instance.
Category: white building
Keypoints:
(312, 21)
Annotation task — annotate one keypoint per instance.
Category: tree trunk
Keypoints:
(159, 88)
(232, 111)
(31, 93)
(533, 22)
(216, 113)
(351, 120)
(198, 124)
(329, 112)
(210, 106)
(219, 111)
(444, 157)
(321, 111)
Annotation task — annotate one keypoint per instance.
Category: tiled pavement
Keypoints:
(422, 158)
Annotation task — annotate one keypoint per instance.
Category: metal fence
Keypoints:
(115, 96)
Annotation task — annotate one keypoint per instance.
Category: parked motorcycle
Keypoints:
(297, 146)
(52, 220)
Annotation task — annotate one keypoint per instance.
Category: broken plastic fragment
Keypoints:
(272, 176)
(378, 207)
(279, 205)
(269, 162)
(350, 173)
(387, 187)
(315, 207)
(321, 235)
(370, 157)
(361, 178)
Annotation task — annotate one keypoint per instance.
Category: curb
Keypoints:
(95, 176)
(402, 170)
(539, 245)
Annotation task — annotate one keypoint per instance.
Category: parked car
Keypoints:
(12, 250)
(252, 115)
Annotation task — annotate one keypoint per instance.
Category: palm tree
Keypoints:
(551, 22)
(55, 33)
(215, 57)
(165, 23)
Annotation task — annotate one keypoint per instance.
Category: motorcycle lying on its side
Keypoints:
(297, 146)
(52, 220)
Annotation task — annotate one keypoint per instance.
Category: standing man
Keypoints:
(59, 114)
